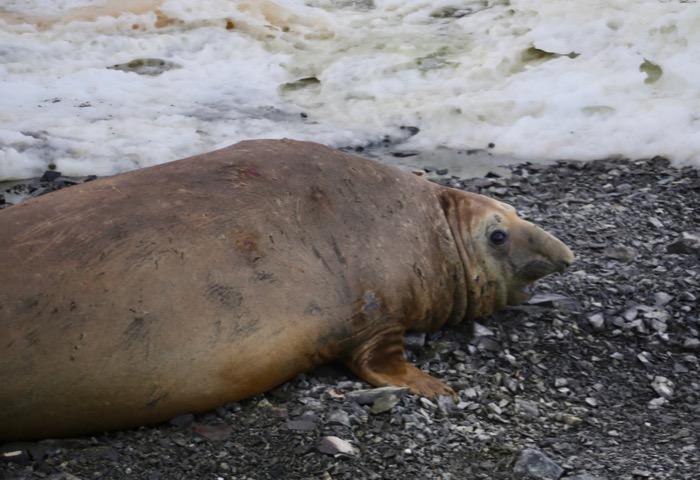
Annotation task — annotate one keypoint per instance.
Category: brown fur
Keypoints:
(177, 288)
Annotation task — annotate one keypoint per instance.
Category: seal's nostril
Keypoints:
(564, 264)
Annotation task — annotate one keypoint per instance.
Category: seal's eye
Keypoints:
(498, 237)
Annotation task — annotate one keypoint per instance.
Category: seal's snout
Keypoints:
(539, 254)
(563, 265)
(567, 257)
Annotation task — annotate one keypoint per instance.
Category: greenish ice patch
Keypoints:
(435, 60)
(300, 84)
(534, 54)
(146, 66)
(652, 71)
(602, 110)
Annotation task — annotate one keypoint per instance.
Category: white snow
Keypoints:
(541, 80)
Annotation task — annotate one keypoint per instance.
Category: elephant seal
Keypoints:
(177, 288)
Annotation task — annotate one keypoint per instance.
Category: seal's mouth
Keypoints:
(522, 294)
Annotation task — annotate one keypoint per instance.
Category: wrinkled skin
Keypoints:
(132, 299)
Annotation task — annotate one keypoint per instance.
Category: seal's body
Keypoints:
(177, 288)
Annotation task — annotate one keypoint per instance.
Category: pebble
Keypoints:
(687, 244)
(482, 331)
(597, 321)
(656, 222)
(340, 417)
(630, 314)
(217, 433)
(11, 453)
(662, 298)
(384, 403)
(568, 419)
(532, 464)
(583, 476)
(644, 357)
(301, 425)
(332, 445)
(414, 341)
(663, 386)
(446, 404)
(365, 397)
(50, 176)
(691, 344)
(182, 420)
(621, 253)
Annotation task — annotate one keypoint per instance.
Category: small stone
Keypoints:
(365, 397)
(535, 465)
(591, 401)
(470, 393)
(182, 420)
(488, 344)
(445, 404)
(687, 296)
(621, 253)
(657, 403)
(50, 176)
(554, 300)
(339, 417)
(659, 326)
(495, 408)
(332, 445)
(217, 433)
(100, 452)
(657, 314)
(662, 298)
(691, 344)
(663, 386)
(14, 453)
(630, 314)
(637, 472)
(482, 331)
(301, 425)
(568, 419)
(688, 244)
(644, 357)
(656, 222)
(597, 321)
(527, 408)
(583, 476)
(560, 382)
(414, 340)
(512, 385)
(384, 403)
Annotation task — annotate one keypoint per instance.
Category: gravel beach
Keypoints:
(596, 378)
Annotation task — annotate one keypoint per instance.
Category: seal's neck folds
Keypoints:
(482, 290)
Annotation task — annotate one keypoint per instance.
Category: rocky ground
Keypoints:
(596, 378)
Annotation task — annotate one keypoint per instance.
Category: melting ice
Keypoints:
(100, 87)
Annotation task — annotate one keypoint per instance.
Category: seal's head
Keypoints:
(503, 254)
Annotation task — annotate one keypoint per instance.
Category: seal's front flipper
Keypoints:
(381, 362)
